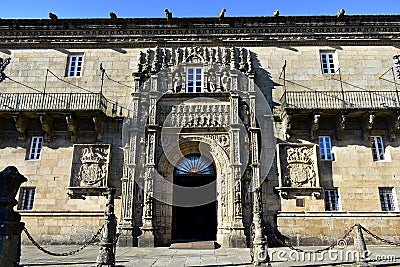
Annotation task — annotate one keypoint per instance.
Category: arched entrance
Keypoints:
(194, 223)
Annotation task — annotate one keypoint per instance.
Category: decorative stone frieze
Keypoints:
(257, 31)
(194, 115)
(90, 169)
(298, 169)
(154, 60)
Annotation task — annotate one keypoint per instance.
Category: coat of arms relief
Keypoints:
(90, 166)
(298, 169)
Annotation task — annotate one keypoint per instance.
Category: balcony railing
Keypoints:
(340, 100)
(53, 102)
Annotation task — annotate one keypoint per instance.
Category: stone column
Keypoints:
(261, 257)
(237, 237)
(127, 222)
(10, 221)
(146, 239)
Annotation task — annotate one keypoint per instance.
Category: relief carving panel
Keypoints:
(297, 165)
(90, 165)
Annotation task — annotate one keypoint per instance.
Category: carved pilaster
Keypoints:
(138, 79)
(21, 124)
(234, 109)
(234, 82)
(146, 239)
(47, 126)
(152, 109)
(72, 126)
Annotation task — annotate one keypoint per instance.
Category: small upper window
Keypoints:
(26, 198)
(75, 63)
(328, 62)
(36, 147)
(378, 148)
(193, 79)
(325, 148)
(332, 200)
(388, 199)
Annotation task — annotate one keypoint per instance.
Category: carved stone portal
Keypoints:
(89, 172)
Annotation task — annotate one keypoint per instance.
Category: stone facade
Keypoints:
(257, 110)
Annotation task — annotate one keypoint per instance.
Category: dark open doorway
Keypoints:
(198, 223)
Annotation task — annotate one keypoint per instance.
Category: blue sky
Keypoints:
(190, 8)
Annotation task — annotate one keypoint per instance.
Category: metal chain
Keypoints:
(346, 234)
(91, 241)
(379, 238)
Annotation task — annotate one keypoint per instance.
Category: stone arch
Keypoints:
(190, 144)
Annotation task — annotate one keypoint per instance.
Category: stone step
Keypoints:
(194, 245)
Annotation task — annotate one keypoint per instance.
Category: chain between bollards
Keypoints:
(36, 244)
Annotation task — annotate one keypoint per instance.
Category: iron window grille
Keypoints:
(27, 197)
(332, 200)
(388, 199)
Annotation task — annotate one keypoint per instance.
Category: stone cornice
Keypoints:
(238, 31)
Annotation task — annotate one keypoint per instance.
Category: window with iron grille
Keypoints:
(325, 148)
(378, 148)
(193, 79)
(36, 147)
(328, 62)
(388, 199)
(332, 200)
(26, 198)
(75, 64)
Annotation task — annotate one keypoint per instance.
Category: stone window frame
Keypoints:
(26, 198)
(36, 147)
(329, 62)
(377, 148)
(325, 148)
(79, 59)
(332, 200)
(388, 199)
(194, 86)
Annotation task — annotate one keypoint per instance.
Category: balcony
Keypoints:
(338, 100)
(53, 102)
(312, 113)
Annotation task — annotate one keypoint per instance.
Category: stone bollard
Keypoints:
(10, 221)
(361, 247)
(106, 255)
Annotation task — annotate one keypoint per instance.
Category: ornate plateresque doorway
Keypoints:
(202, 97)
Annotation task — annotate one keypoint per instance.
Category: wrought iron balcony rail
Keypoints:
(53, 102)
(340, 100)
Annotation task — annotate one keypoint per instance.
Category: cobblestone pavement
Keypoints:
(143, 257)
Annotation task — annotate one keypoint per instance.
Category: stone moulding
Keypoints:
(90, 169)
(239, 31)
(298, 170)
